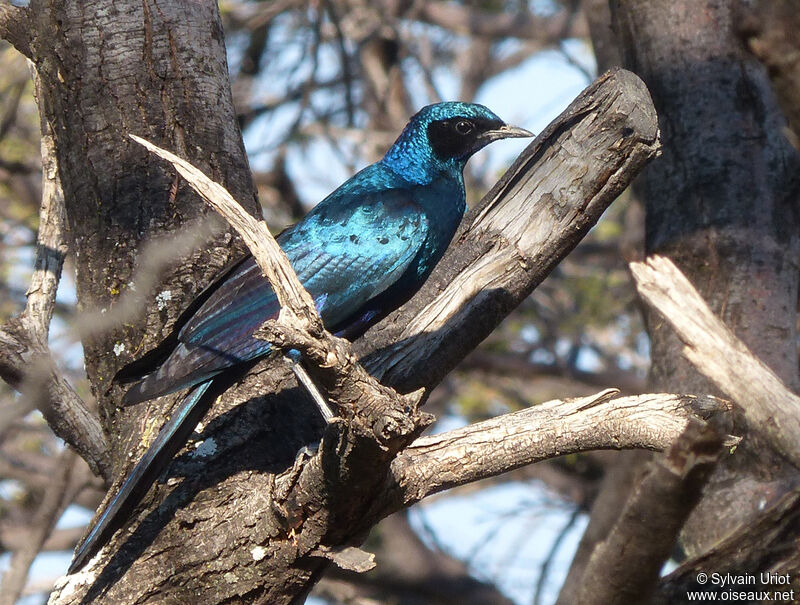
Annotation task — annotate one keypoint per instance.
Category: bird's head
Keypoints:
(444, 136)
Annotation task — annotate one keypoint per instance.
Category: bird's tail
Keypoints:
(172, 436)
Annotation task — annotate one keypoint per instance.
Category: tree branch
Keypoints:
(15, 27)
(51, 243)
(624, 567)
(27, 367)
(55, 499)
(335, 366)
(749, 549)
(769, 407)
(531, 219)
(305, 508)
(25, 362)
(464, 19)
(484, 449)
(378, 421)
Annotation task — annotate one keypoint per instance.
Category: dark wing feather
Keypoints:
(168, 442)
(151, 360)
(344, 254)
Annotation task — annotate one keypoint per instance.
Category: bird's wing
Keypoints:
(150, 361)
(352, 253)
(344, 254)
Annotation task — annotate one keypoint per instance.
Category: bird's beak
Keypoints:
(504, 132)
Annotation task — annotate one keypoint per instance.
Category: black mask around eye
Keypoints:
(460, 137)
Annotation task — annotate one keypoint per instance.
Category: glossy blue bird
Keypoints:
(361, 253)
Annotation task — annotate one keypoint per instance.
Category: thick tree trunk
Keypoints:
(253, 521)
(158, 70)
(241, 516)
(722, 203)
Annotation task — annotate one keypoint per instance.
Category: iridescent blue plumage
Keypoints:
(361, 252)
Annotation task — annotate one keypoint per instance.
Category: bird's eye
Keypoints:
(464, 127)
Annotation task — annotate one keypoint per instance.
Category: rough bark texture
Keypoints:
(15, 28)
(619, 479)
(25, 362)
(722, 203)
(768, 407)
(747, 554)
(157, 69)
(553, 428)
(625, 566)
(252, 512)
(518, 233)
(620, 473)
(241, 516)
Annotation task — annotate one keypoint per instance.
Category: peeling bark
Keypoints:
(241, 516)
(274, 544)
(722, 204)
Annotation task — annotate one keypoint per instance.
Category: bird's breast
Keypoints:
(444, 203)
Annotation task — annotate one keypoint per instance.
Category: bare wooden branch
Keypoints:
(484, 449)
(531, 219)
(724, 218)
(465, 19)
(51, 243)
(300, 327)
(333, 496)
(624, 567)
(15, 28)
(429, 466)
(769, 407)
(383, 412)
(376, 422)
(25, 362)
(619, 478)
(297, 306)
